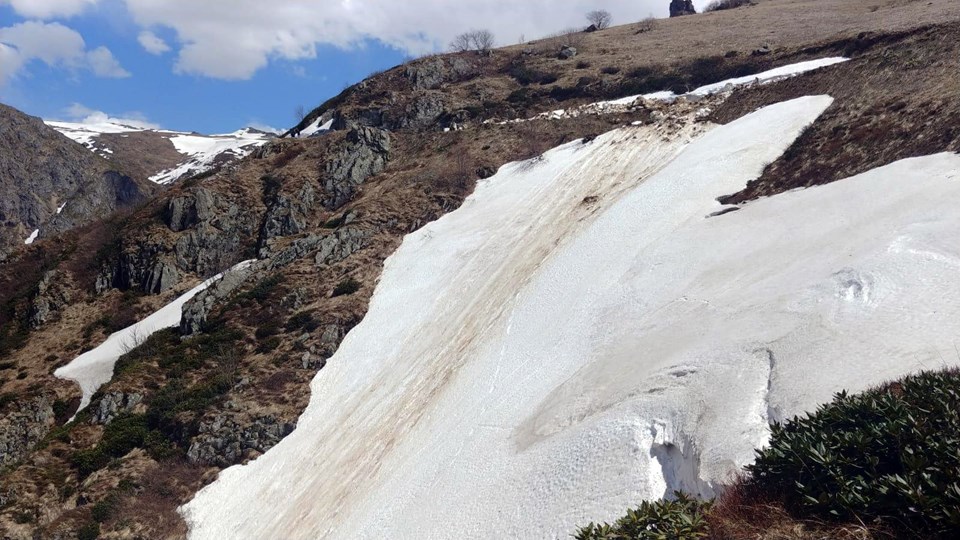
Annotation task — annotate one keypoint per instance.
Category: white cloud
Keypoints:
(48, 9)
(233, 40)
(152, 43)
(84, 115)
(103, 64)
(55, 45)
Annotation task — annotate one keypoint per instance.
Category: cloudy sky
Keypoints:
(216, 65)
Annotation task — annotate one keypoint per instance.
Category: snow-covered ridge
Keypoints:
(581, 335)
(200, 152)
(204, 152)
(94, 368)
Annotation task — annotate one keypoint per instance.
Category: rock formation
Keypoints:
(682, 7)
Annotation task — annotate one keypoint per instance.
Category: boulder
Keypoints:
(567, 52)
(679, 8)
(112, 405)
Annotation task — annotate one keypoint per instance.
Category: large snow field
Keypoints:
(94, 368)
(534, 361)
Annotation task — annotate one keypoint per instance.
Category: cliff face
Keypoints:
(50, 184)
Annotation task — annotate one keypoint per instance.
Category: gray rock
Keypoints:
(366, 153)
(567, 52)
(427, 75)
(113, 404)
(679, 8)
(196, 311)
(224, 441)
(425, 111)
(51, 297)
(287, 215)
(762, 51)
(23, 426)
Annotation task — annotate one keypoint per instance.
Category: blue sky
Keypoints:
(214, 66)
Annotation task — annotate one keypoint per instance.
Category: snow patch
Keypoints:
(32, 238)
(317, 127)
(94, 368)
(204, 152)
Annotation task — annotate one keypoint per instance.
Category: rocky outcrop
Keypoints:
(224, 441)
(52, 296)
(316, 356)
(112, 405)
(287, 214)
(682, 7)
(148, 269)
(366, 153)
(195, 311)
(23, 427)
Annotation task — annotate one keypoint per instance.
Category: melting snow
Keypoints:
(203, 152)
(580, 336)
(316, 127)
(773, 75)
(94, 368)
(33, 237)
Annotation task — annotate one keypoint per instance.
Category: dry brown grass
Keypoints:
(893, 102)
(742, 513)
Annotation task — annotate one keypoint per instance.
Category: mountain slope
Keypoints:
(50, 184)
(322, 215)
(162, 156)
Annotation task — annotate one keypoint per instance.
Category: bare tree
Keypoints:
(599, 18)
(474, 40)
(461, 43)
(300, 113)
(646, 25)
(483, 40)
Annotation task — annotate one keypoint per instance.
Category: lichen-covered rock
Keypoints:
(113, 404)
(224, 441)
(287, 215)
(427, 75)
(190, 209)
(52, 296)
(366, 153)
(23, 427)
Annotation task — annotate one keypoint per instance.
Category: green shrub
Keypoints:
(890, 455)
(345, 287)
(304, 320)
(104, 509)
(269, 344)
(679, 519)
(89, 531)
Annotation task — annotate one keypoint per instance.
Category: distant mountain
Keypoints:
(158, 155)
(48, 184)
